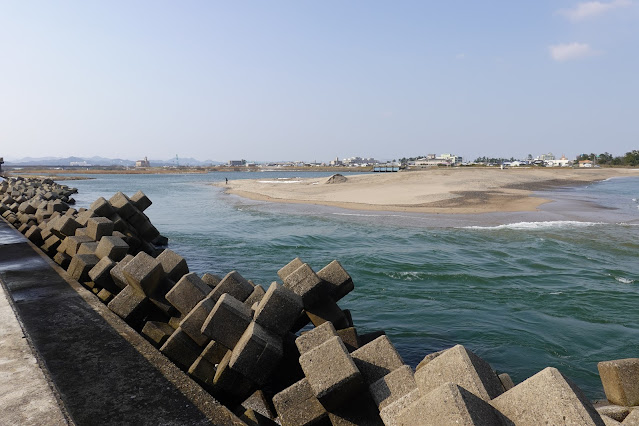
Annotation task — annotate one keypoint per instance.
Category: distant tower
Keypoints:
(177, 161)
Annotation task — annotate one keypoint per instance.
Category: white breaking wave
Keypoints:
(540, 225)
(624, 280)
(407, 276)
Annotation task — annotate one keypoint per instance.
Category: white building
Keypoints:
(546, 157)
(359, 161)
(442, 160)
(562, 162)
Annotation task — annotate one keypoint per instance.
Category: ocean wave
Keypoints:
(539, 225)
(407, 276)
(624, 280)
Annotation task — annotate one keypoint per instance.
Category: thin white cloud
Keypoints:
(571, 51)
(460, 56)
(592, 9)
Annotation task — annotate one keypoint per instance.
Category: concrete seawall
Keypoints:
(91, 367)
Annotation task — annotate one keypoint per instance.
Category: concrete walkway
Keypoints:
(26, 398)
(101, 370)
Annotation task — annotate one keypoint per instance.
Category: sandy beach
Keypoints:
(457, 190)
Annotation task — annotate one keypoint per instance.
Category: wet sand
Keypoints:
(457, 190)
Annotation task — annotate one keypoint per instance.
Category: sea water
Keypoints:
(557, 287)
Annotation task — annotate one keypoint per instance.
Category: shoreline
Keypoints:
(458, 191)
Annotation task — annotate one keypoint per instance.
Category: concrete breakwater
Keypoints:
(310, 377)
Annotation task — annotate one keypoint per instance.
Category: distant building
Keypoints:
(143, 163)
(562, 162)
(442, 160)
(585, 163)
(79, 163)
(453, 159)
(359, 161)
(336, 162)
(546, 157)
(237, 163)
(1, 163)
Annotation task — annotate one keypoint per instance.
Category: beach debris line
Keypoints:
(253, 349)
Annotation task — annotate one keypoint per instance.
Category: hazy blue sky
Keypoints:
(312, 80)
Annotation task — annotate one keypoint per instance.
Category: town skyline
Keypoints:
(338, 161)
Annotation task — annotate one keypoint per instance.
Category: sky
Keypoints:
(314, 80)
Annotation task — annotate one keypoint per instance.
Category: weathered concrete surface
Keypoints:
(620, 379)
(78, 339)
(26, 398)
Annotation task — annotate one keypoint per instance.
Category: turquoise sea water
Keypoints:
(558, 287)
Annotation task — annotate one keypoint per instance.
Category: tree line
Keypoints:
(606, 159)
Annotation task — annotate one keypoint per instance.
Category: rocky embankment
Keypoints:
(243, 342)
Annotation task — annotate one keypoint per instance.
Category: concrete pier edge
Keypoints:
(100, 371)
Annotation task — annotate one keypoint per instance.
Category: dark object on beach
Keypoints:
(336, 178)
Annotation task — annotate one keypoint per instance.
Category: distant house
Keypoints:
(585, 163)
(562, 162)
(237, 163)
(143, 163)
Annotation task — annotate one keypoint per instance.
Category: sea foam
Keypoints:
(539, 225)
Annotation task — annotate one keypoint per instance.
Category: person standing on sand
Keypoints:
(227, 180)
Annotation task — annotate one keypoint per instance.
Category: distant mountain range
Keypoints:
(101, 161)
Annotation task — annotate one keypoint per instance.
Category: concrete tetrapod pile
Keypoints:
(253, 348)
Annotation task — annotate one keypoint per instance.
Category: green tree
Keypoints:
(631, 158)
(584, 157)
(605, 158)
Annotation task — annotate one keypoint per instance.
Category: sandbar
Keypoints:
(452, 190)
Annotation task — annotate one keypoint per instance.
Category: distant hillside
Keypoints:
(101, 161)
